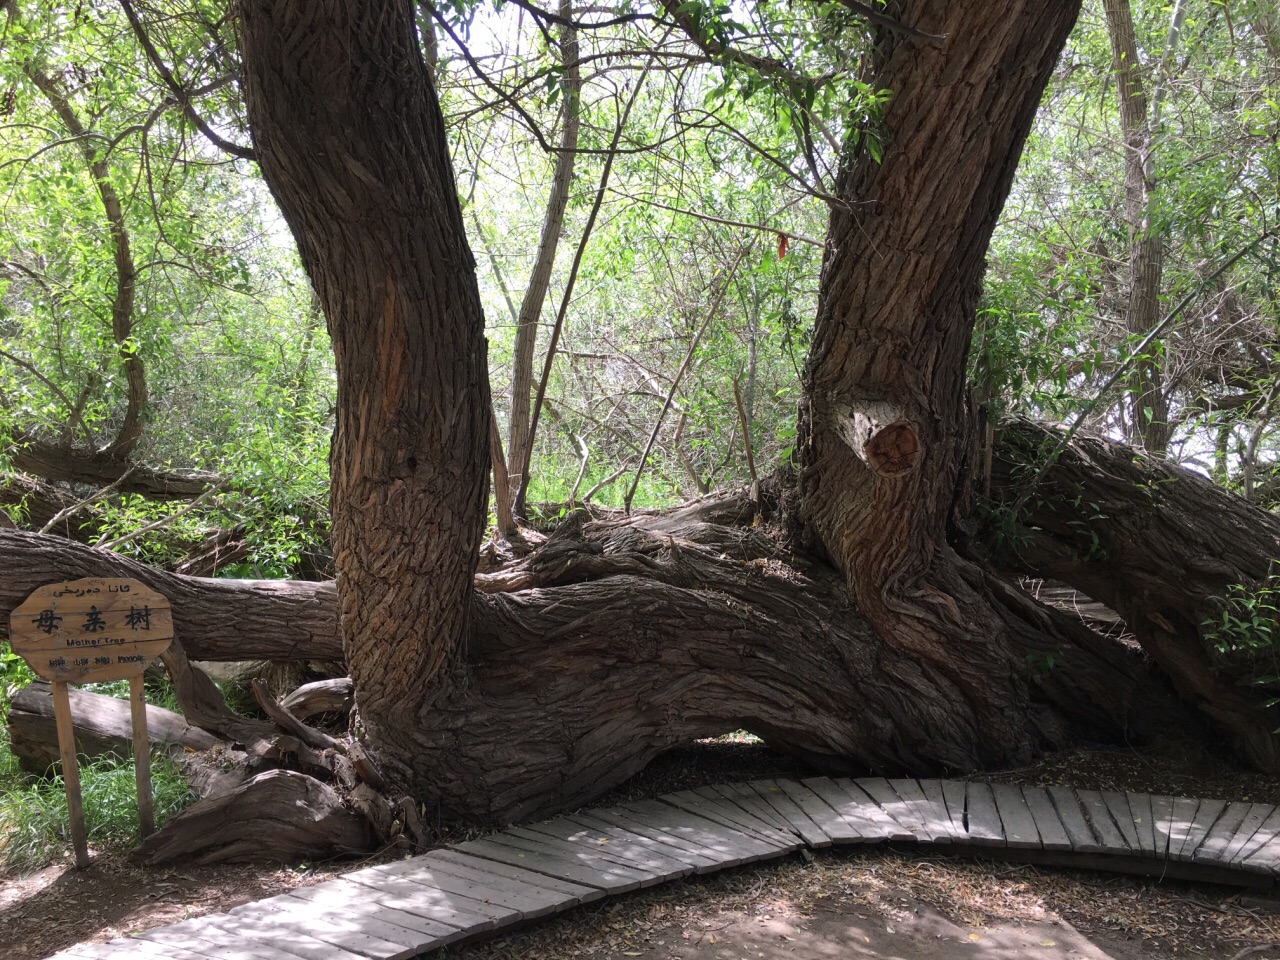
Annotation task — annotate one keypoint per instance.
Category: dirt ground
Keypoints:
(895, 904)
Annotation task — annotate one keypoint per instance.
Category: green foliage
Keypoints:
(1246, 628)
(33, 810)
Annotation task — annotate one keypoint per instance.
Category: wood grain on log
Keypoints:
(101, 723)
(277, 815)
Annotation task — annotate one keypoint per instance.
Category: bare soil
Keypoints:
(883, 903)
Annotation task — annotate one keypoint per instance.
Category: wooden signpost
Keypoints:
(91, 631)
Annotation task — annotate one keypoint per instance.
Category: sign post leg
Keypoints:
(70, 772)
(141, 756)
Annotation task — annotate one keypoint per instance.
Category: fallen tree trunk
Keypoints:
(628, 637)
(1160, 545)
(101, 469)
(214, 619)
(102, 728)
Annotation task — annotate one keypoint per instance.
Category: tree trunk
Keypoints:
(623, 638)
(1148, 406)
(518, 447)
(620, 639)
(885, 429)
(351, 141)
(1158, 544)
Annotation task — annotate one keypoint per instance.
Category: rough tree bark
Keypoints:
(1159, 545)
(351, 141)
(885, 427)
(921, 665)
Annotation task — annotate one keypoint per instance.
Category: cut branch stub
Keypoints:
(888, 443)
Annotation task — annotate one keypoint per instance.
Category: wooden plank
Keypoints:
(454, 896)
(1072, 816)
(1053, 835)
(1015, 818)
(537, 842)
(1254, 819)
(862, 815)
(982, 815)
(529, 898)
(610, 879)
(939, 819)
(1264, 835)
(678, 847)
(1161, 824)
(933, 807)
(308, 948)
(953, 794)
(719, 841)
(114, 950)
(1222, 833)
(341, 930)
(140, 946)
(420, 911)
(936, 824)
(629, 851)
(574, 893)
(820, 812)
(879, 790)
(1261, 854)
(141, 756)
(740, 795)
(70, 773)
(800, 822)
(1181, 824)
(719, 810)
(202, 937)
(1132, 817)
(890, 827)
(1143, 821)
(402, 901)
(1207, 815)
(1264, 860)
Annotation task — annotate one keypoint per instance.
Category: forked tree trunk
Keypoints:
(619, 640)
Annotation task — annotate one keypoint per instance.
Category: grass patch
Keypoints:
(34, 828)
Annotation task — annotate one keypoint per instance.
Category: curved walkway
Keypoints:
(467, 890)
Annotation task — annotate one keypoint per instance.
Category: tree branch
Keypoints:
(183, 97)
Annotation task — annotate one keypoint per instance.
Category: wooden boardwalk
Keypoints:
(467, 890)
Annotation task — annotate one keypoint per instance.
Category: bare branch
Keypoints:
(183, 97)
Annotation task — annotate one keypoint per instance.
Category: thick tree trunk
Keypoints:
(351, 141)
(885, 428)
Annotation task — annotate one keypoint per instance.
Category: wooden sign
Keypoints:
(91, 631)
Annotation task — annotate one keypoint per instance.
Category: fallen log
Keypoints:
(214, 619)
(323, 696)
(101, 724)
